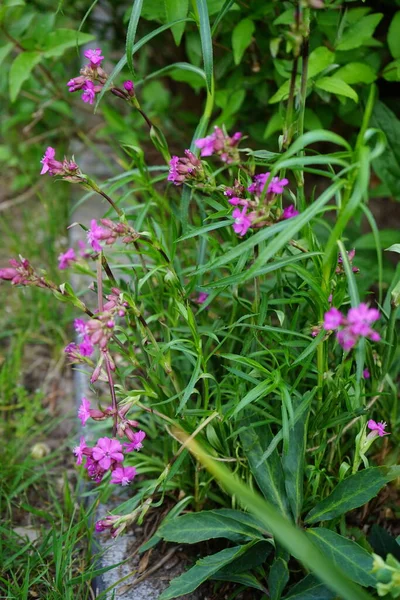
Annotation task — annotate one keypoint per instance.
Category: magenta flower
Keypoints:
(123, 475)
(67, 259)
(95, 57)
(50, 165)
(84, 411)
(346, 339)
(85, 347)
(361, 318)
(379, 427)
(78, 451)
(129, 87)
(106, 452)
(183, 168)
(136, 443)
(220, 143)
(289, 212)
(206, 145)
(76, 83)
(80, 326)
(242, 222)
(107, 523)
(332, 319)
(95, 234)
(89, 93)
(275, 186)
(366, 374)
(202, 297)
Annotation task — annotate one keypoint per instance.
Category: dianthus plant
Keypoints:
(221, 310)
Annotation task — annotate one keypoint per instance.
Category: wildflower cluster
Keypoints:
(221, 144)
(357, 324)
(21, 272)
(108, 232)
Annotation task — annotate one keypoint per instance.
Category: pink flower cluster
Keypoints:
(221, 144)
(106, 455)
(350, 255)
(185, 168)
(92, 77)
(357, 324)
(109, 232)
(379, 428)
(21, 272)
(68, 258)
(67, 169)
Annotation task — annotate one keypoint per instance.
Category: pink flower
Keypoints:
(80, 326)
(95, 57)
(202, 297)
(89, 93)
(360, 319)
(76, 83)
(242, 222)
(187, 167)
(95, 234)
(85, 347)
(78, 451)
(346, 339)
(107, 451)
(220, 143)
(333, 318)
(206, 145)
(136, 443)
(84, 411)
(379, 427)
(107, 523)
(123, 475)
(129, 87)
(67, 259)
(50, 165)
(366, 374)
(275, 186)
(289, 212)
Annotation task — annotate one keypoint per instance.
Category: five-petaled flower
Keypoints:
(378, 427)
(78, 451)
(357, 324)
(136, 443)
(242, 222)
(95, 57)
(123, 475)
(107, 451)
(66, 259)
(84, 411)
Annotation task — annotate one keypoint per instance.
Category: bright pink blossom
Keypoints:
(346, 339)
(275, 185)
(184, 168)
(202, 297)
(366, 374)
(379, 427)
(332, 319)
(289, 212)
(76, 83)
(360, 319)
(66, 259)
(136, 443)
(95, 57)
(50, 165)
(78, 451)
(242, 222)
(84, 411)
(220, 143)
(95, 234)
(107, 451)
(123, 475)
(89, 93)
(357, 324)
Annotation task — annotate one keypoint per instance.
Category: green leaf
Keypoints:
(259, 391)
(387, 166)
(345, 554)
(177, 9)
(206, 41)
(20, 71)
(246, 579)
(336, 86)
(131, 33)
(277, 578)
(60, 40)
(319, 59)
(356, 72)
(383, 543)
(241, 39)
(359, 32)
(255, 556)
(393, 248)
(352, 492)
(392, 71)
(293, 460)
(5, 51)
(268, 474)
(283, 91)
(310, 588)
(202, 570)
(393, 37)
(206, 525)
(225, 8)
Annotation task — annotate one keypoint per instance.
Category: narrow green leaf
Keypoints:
(268, 474)
(352, 492)
(387, 165)
(277, 578)
(202, 570)
(336, 86)
(241, 38)
(206, 525)
(393, 37)
(345, 554)
(260, 391)
(310, 588)
(177, 9)
(5, 51)
(191, 385)
(246, 579)
(227, 5)
(131, 33)
(206, 41)
(20, 71)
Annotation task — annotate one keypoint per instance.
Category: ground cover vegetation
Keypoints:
(239, 330)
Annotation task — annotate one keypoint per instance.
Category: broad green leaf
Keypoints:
(293, 460)
(242, 517)
(246, 579)
(204, 569)
(268, 474)
(352, 492)
(5, 51)
(241, 38)
(393, 37)
(20, 71)
(359, 32)
(206, 41)
(383, 543)
(206, 525)
(347, 555)
(283, 91)
(391, 72)
(387, 165)
(60, 40)
(256, 555)
(310, 588)
(285, 18)
(336, 86)
(393, 248)
(277, 578)
(131, 33)
(177, 9)
(319, 59)
(356, 72)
